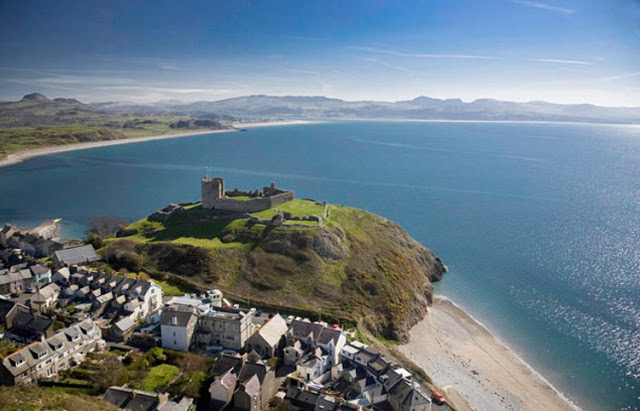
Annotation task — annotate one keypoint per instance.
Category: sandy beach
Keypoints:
(464, 358)
(23, 155)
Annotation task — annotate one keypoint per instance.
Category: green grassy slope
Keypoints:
(356, 266)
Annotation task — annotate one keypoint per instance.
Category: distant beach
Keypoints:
(20, 156)
(477, 370)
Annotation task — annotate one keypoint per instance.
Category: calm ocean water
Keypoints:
(539, 223)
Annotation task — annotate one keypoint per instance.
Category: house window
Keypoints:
(175, 342)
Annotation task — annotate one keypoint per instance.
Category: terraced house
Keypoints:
(43, 360)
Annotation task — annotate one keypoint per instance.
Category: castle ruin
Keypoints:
(214, 197)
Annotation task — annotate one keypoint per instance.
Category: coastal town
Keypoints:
(70, 321)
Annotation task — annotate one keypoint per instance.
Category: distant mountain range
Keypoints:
(420, 108)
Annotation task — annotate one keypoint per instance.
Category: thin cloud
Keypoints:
(302, 71)
(388, 65)
(563, 61)
(544, 6)
(623, 76)
(421, 55)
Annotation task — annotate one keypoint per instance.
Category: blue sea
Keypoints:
(538, 223)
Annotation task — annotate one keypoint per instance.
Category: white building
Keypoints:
(177, 328)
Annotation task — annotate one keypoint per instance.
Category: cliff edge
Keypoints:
(350, 265)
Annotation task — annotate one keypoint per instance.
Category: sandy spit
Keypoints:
(20, 156)
(462, 356)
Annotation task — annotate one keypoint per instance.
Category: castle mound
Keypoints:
(350, 265)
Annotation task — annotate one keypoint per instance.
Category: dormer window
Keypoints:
(17, 361)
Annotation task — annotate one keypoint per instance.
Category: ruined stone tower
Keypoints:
(212, 190)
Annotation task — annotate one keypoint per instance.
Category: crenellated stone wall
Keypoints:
(251, 205)
(214, 197)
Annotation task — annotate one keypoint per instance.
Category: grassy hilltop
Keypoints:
(355, 266)
(36, 121)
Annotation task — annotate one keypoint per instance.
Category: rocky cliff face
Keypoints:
(357, 266)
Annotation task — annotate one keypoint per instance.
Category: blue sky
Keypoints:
(567, 51)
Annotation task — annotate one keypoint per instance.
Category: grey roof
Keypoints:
(39, 269)
(250, 369)
(303, 329)
(226, 363)
(303, 399)
(77, 255)
(105, 298)
(184, 405)
(273, 330)
(176, 318)
(125, 324)
(15, 276)
(143, 401)
(328, 335)
(27, 357)
(64, 272)
(46, 292)
(118, 396)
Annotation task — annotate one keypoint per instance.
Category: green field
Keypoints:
(159, 377)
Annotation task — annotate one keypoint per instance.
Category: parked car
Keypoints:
(30, 290)
(438, 398)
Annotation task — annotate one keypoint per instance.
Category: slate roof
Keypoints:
(226, 363)
(118, 396)
(304, 399)
(125, 324)
(250, 369)
(133, 400)
(27, 357)
(302, 330)
(273, 330)
(15, 276)
(39, 269)
(329, 334)
(77, 255)
(182, 318)
(47, 292)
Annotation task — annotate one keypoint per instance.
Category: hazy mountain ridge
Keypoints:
(419, 108)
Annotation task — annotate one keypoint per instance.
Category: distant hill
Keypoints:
(420, 108)
(37, 110)
(36, 121)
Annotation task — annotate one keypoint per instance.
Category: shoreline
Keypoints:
(23, 155)
(462, 356)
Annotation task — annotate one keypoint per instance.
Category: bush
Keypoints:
(123, 254)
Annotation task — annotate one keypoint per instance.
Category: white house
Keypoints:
(177, 328)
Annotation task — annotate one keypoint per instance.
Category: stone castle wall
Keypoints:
(251, 205)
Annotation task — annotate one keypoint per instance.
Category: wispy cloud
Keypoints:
(388, 65)
(623, 76)
(544, 6)
(301, 71)
(563, 61)
(421, 55)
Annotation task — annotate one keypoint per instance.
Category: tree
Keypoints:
(111, 372)
(105, 226)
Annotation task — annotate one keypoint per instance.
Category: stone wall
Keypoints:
(251, 205)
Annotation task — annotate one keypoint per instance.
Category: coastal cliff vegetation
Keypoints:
(354, 266)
